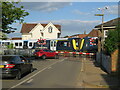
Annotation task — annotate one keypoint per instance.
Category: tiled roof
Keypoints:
(82, 35)
(93, 33)
(16, 38)
(113, 22)
(26, 28)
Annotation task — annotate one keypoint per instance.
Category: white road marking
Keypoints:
(34, 74)
(49, 67)
(30, 81)
(62, 60)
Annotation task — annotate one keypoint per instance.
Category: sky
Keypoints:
(74, 17)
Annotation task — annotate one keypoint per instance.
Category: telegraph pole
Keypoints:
(100, 49)
(102, 30)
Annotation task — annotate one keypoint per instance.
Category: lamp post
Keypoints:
(102, 31)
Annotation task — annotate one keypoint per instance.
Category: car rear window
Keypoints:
(6, 58)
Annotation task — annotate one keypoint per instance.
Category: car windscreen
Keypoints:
(37, 50)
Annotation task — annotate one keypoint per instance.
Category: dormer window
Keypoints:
(50, 29)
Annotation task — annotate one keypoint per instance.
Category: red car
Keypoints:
(45, 53)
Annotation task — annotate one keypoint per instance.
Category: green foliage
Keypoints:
(111, 42)
(10, 46)
(11, 14)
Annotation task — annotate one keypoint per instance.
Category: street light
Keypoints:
(102, 31)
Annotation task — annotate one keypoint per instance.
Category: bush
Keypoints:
(10, 46)
(111, 42)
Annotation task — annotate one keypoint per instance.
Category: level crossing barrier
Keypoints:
(65, 53)
(29, 52)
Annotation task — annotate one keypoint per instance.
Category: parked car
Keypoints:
(45, 53)
(14, 66)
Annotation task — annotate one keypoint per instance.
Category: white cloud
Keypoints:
(44, 6)
(112, 9)
(79, 12)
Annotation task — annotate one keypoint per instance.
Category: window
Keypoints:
(64, 44)
(50, 29)
(2, 43)
(16, 44)
(7, 58)
(46, 50)
(20, 44)
(54, 44)
(17, 59)
(30, 44)
(51, 43)
(41, 34)
(7, 43)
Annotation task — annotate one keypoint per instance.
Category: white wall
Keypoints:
(53, 35)
(26, 36)
(36, 32)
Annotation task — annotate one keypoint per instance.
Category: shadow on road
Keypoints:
(110, 81)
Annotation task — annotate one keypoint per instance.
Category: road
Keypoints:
(51, 73)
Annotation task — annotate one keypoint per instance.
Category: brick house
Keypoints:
(36, 31)
(16, 38)
(94, 33)
(109, 25)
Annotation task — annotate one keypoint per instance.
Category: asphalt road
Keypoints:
(51, 73)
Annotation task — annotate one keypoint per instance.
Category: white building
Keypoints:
(40, 31)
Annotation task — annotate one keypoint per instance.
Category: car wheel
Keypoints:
(43, 57)
(18, 76)
(36, 57)
(56, 57)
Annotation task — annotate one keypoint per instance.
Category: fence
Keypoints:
(24, 52)
(104, 61)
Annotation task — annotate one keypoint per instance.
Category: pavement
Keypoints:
(95, 77)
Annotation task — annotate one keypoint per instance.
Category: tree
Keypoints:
(11, 14)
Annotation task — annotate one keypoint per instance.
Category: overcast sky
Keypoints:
(74, 17)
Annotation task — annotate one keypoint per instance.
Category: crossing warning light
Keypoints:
(41, 41)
